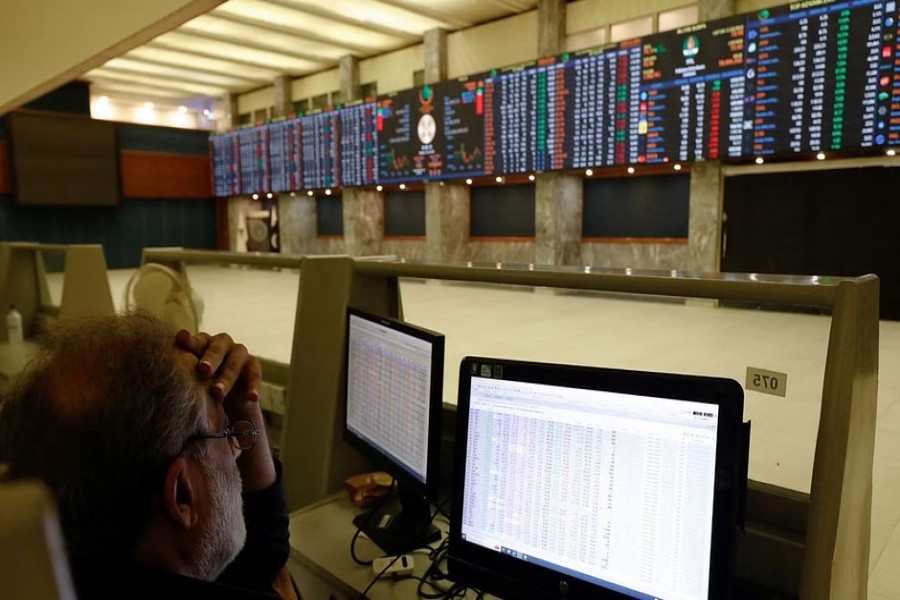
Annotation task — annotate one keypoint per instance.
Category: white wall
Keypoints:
(393, 71)
(498, 44)
(316, 85)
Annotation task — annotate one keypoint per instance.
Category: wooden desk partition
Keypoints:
(833, 560)
(814, 546)
(24, 283)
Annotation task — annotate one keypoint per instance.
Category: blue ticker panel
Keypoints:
(284, 155)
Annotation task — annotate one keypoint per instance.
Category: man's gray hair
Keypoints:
(99, 415)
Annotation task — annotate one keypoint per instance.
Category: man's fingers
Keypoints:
(230, 372)
(219, 346)
(195, 344)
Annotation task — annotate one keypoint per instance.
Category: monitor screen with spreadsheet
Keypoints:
(394, 382)
(582, 482)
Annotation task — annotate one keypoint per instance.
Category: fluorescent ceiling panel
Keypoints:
(321, 28)
(236, 52)
(136, 66)
(158, 82)
(259, 36)
(192, 61)
(376, 13)
(100, 87)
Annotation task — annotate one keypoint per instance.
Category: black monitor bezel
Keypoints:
(508, 577)
(407, 482)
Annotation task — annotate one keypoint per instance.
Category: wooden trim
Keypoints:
(404, 238)
(329, 237)
(633, 240)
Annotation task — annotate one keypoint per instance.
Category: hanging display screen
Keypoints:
(815, 75)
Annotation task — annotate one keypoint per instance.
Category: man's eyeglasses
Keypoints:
(242, 435)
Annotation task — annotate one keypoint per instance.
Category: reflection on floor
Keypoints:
(257, 308)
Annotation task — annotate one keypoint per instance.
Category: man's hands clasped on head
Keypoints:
(235, 379)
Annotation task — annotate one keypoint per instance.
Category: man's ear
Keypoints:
(180, 493)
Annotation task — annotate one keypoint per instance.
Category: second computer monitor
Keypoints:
(394, 383)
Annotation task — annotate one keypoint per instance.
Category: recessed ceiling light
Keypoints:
(631, 170)
(891, 152)
(255, 196)
(269, 195)
(328, 192)
(677, 167)
(820, 156)
(309, 193)
(402, 186)
(378, 188)
(498, 179)
(531, 178)
(589, 172)
(468, 182)
(759, 160)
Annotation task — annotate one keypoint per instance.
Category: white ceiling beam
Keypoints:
(266, 37)
(327, 28)
(184, 64)
(301, 36)
(236, 52)
(163, 83)
(454, 21)
(211, 65)
(324, 12)
(130, 65)
(324, 61)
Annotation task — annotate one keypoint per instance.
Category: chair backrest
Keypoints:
(33, 564)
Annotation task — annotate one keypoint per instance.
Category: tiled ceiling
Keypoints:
(244, 44)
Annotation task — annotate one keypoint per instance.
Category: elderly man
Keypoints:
(155, 447)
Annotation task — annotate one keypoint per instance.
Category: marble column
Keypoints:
(551, 27)
(282, 101)
(708, 10)
(704, 225)
(363, 207)
(348, 72)
(446, 222)
(230, 105)
(446, 206)
(558, 217)
(297, 223)
(363, 221)
(435, 55)
(558, 197)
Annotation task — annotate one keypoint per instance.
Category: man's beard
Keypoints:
(226, 533)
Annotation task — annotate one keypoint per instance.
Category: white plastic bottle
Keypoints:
(14, 327)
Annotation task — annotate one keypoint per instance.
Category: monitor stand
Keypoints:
(400, 525)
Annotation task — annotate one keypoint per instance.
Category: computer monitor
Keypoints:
(579, 482)
(393, 402)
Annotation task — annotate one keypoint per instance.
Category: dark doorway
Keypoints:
(840, 222)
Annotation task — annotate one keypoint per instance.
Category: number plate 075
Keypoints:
(767, 382)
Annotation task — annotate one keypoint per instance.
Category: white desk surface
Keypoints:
(320, 542)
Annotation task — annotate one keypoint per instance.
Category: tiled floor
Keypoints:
(257, 307)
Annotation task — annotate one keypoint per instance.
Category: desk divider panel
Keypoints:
(814, 546)
(24, 283)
